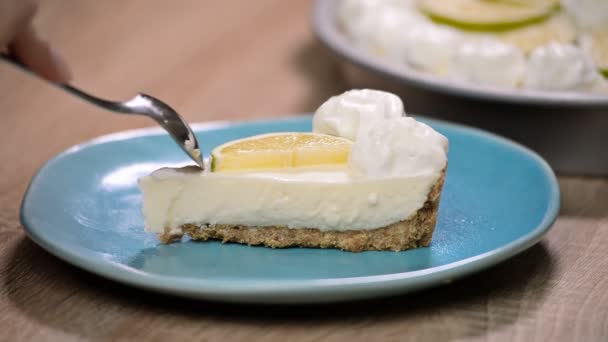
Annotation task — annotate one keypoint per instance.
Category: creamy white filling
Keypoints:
(323, 199)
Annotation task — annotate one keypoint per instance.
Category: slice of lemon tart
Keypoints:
(367, 178)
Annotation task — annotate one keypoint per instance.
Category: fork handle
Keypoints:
(105, 104)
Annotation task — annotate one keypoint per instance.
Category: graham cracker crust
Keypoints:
(415, 231)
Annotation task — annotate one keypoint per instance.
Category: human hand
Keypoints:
(19, 38)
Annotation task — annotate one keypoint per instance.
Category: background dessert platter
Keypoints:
(567, 127)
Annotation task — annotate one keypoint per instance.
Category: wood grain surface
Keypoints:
(240, 60)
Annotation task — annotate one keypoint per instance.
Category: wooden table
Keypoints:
(242, 60)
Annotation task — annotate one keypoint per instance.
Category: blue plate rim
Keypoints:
(224, 289)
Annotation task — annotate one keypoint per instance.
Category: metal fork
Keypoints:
(141, 104)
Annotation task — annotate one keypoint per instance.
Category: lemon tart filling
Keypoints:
(365, 166)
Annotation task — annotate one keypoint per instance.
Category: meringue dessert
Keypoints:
(367, 177)
(547, 45)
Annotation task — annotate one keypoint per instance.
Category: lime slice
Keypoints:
(281, 150)
(558, 28)
(488, 15)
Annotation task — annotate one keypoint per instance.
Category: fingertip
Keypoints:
(14, 16)
(40, 57)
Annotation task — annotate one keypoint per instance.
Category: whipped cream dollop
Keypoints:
(560, 67)
(344, 114)
(430, 47)
(382, 33)
(398, 147)
(386, 142)
(377, 25)
(361, 18)
(488, 61)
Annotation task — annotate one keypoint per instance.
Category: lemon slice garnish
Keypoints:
(281, 150)
(488, 15)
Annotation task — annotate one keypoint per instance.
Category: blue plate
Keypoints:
(84, 207)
